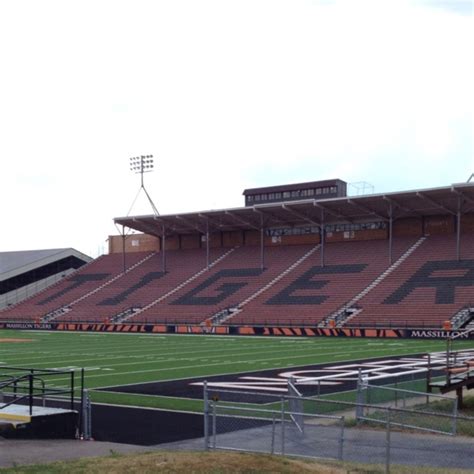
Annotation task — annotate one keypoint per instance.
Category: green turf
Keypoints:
(119, 359)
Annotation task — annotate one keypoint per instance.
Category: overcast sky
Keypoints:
(226, 95)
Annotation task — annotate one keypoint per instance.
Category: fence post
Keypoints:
(362, 386)
(30, 392)
(43, 391)
(448, 357)
(387, 453)
(341, 443)
(86, 417)
(206, 417)
(214, 409)
(81, 416)
(282, 426)
(273, 434)
(428, 375)
(72, 389)
(396, 392)
(89, 410)
(455, 417)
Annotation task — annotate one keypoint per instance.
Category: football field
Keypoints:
(113, 360)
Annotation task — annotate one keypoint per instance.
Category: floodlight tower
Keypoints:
(140, 165)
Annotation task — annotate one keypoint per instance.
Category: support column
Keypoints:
(390, 235)
(163, 248)
(124, 268)
(262, 244)
(459, 398)
(322, 236)
(458, 231)
(207, 244)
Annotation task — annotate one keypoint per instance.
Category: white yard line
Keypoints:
(165, 369)
(143, 353)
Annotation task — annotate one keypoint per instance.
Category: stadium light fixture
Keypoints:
(140, 165)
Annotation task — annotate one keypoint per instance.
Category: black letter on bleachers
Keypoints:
(306, 282)
(445, 285)
(77, 280)
(145, 280)
(223, 291)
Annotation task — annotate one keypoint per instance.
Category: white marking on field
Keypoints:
(268, 379)
(335, 375)
(38, 332)
(372, 360)
(219, 337)
(69, 367)
(244, 386)
(156, 370)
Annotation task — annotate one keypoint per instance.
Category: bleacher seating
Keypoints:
(312, 291)
(226, 285)
(429, 287)
(75, 286)
(140, 286)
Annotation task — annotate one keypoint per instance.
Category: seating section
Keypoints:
(227, 284)
(429, 287)
(142, 285)
(75, 286)
(312, 291)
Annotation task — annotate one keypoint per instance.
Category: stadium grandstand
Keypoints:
(297, 259)
(26, 273)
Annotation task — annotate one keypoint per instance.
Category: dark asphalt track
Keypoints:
(187, 388)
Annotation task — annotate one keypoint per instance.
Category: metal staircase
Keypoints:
(465, 315)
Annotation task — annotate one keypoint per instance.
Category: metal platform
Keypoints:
(16, 421)
(21, 413)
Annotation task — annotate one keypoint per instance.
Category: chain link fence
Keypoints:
(406, 409)
(370, 428)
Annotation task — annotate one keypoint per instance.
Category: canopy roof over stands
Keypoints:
(16, 263)
(456, 199)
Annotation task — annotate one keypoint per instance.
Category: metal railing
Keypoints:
(371, 428)
(34, 387)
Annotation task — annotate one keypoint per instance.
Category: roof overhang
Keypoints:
(454, 199)
(16, 263)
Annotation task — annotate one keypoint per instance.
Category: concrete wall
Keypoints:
(134, 243)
